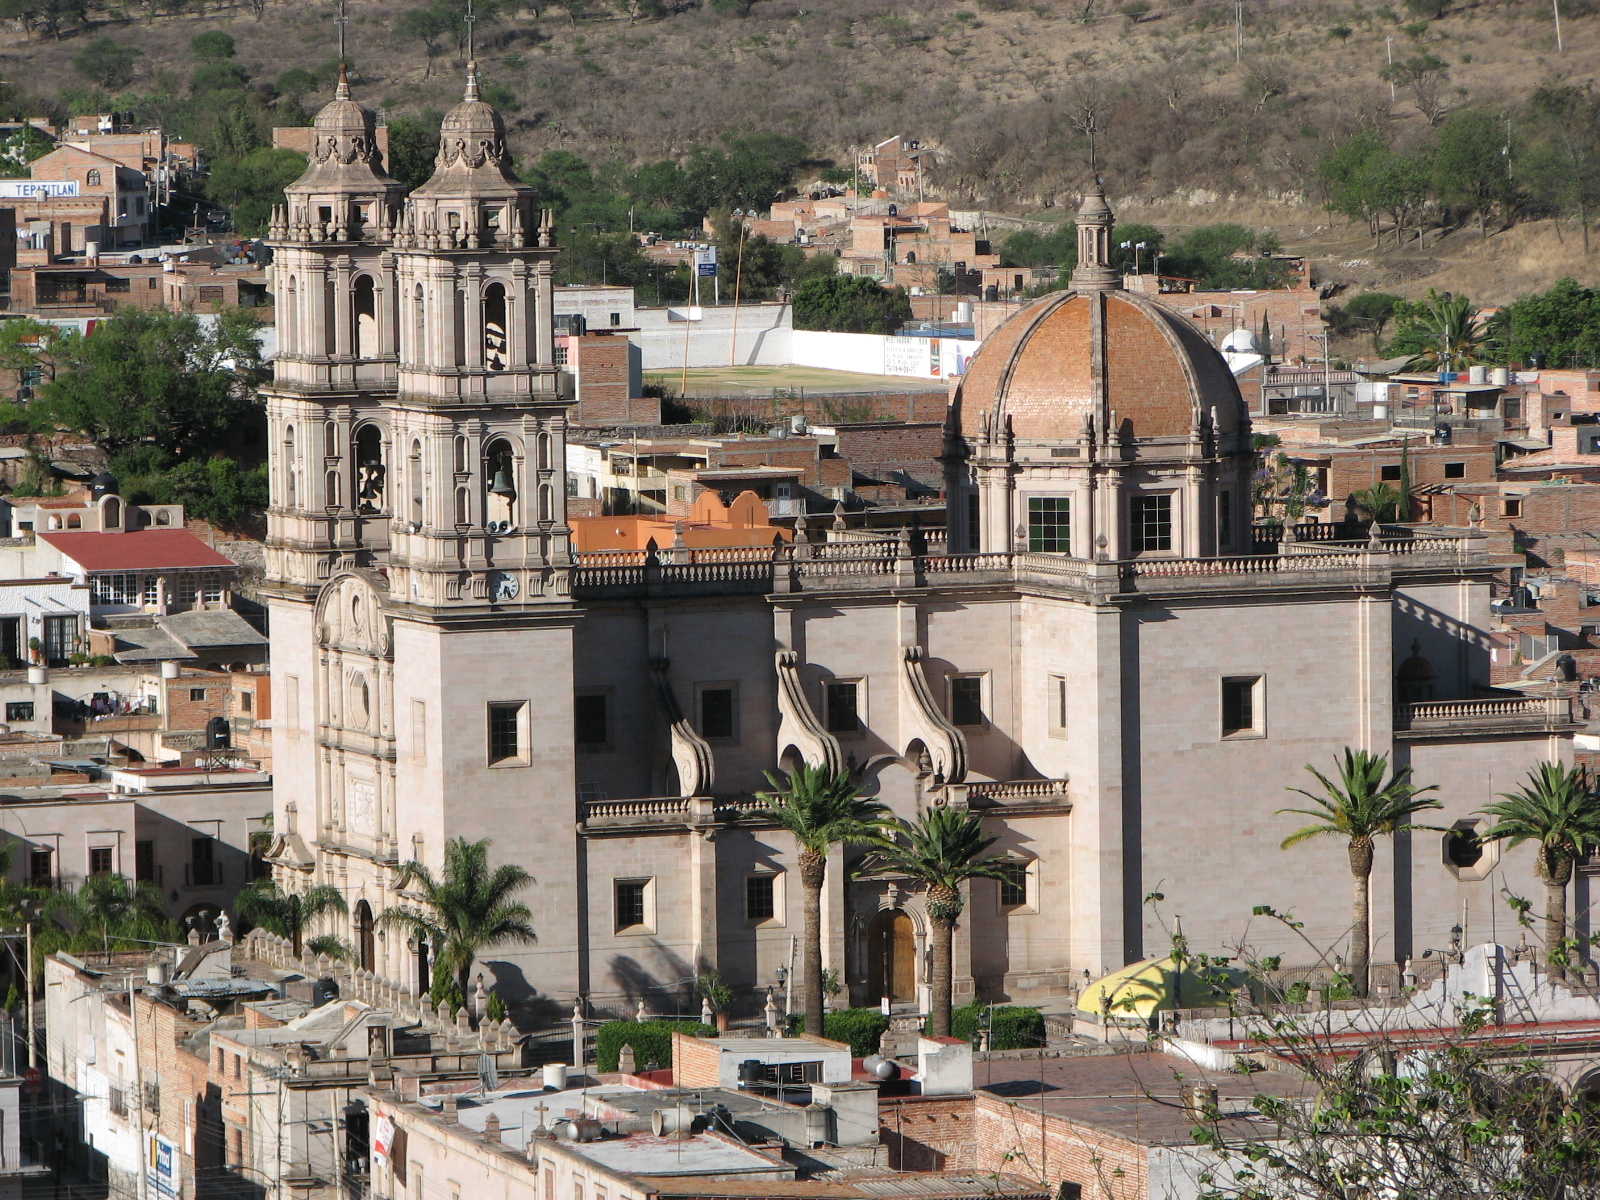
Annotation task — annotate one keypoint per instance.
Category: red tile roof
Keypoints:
(146, 550)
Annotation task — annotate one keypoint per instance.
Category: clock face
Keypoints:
(503, 586)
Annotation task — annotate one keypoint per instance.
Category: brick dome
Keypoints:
(1040, 369)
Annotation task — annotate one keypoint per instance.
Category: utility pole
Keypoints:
(1238, 30)
(1556, 5)
(33, 1043)
(1388, 44)
(138, 1082)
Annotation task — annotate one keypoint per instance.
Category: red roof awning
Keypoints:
(145, 550)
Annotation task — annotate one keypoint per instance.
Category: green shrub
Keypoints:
(651, 1041)
(860, 1027)
(1013, 1029)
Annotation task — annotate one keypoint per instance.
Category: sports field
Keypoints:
(762, 381)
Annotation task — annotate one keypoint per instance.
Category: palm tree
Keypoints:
(1558, 809)
(1360, 808)
(942, 851)
(466, 910)
(1452, 333)
(288, 914)
(108, 908)
(819, 807)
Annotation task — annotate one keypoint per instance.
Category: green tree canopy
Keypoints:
(1470, 164)
(1558, 162)
(850, 304)
(1442, 329)
(212, 46)
(148, 376)
(249, 186)
(107, 62)
(413, 146)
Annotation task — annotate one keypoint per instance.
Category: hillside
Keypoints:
(1000, 89)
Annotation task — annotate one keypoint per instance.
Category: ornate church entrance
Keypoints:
(892, 957)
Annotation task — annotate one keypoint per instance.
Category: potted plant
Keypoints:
(717, 994)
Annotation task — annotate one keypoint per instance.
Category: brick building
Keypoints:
(605, 368)
(109, 205)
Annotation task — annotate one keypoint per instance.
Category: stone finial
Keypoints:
(224, 928)
(643, 1013)
(627, 1063)
(491, 1128)
(480, 999)
(447, 1109)
(838, 515)
(463, 1021)
(444, 1012)
(707, 1017)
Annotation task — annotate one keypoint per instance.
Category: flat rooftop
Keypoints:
(1134, 1096)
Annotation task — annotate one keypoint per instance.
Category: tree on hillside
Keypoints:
(1424, 76)
(107, 62)
(148, 376)
(1560, 162)
(251, 185)
(1563, 324)
(850, 304)
(413, 146)
(429, 25)
(50, 17)
(1470, 164)
(212, 46)
(1374, 310)
(1442, 329)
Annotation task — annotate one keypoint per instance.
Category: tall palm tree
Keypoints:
(289, 914)
(1452, 332)
(1360, 808)
(467, 909)
(114, 908)
(1558, 809)
(943, 851)
(820, 807)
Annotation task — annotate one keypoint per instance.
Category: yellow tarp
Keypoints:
(1142, 988)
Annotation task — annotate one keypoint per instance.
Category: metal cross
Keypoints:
(472, 20)
(341, 20)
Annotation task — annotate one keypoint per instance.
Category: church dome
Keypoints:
(344, 152)
(472, 149)
(1040, 369)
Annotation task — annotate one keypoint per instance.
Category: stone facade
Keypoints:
(1104, 671)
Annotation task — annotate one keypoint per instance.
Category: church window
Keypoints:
(1013, 884)
(288, 454)
(590, 720)
(491, 218)
(843, 705)
(547, 504)
(463, 507)
(500, 474)
(1058, 705)
(717, 711)
(760, 898)
(414, 465)
(1463, 846)
(420, 351)
(462, 452)
(633, 905)
(974, 525)
(966, 700)
(1050, 524)
(1241, 706)
(453, 220)
(508, 741)
(496, 347)
(419, 731)
(332, 483)
(330, 440)
(365, 303)
(369, 470)
(544, 452)
(1224, 519)
(1151, 523)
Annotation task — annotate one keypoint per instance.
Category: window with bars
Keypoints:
(844, 711)
(505, 732)
(1150, 518)
(1050, 524)
(1013, 884)
(632, 906)
(966, 700)
(41, 866)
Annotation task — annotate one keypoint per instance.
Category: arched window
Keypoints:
(369, 470)
(363, 932)
(500, 484)
(291, 470)
(463, 507)
(330, 440)
(415, 470)
(419, 351)
(1414, 682)
(94, 179)
(332, 497)
(496, 348)
(74, 521)
(111, 513)
(291, 315)
(463, 450)
(544, 452)
(365, 303)
(547, 503)
(163, 517)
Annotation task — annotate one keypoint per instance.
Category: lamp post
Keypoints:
(783, 982)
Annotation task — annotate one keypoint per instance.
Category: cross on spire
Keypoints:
(342, 20)
(472, 20)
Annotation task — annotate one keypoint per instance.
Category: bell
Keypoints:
(502, 484)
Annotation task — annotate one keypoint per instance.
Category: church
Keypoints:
(1096, 660)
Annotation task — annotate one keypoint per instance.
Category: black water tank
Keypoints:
(752, 1072)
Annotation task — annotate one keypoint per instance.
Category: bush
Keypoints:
(860, 1027)
(1013, 1028)
(850, 304)
(651, 1040)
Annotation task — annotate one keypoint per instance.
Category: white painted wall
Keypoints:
(762, 330)
(933, 359)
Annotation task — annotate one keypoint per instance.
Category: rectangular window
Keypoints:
(11, 643)
(1455, 470)
(100, 860)
(843, 712)
(1390, 473)
(589, 717)
(1151, 523)
(19, 710)
(246, 701)
(1239, 707)
(152, 285)
(119, 285)
(716, 712)
(505, 732)
(419, 731)
(60, 634)
(197, 694)
(1224, 519)
(1013, 884)
(1513, 506)
(1058, 705)
(203, 868)
(966, 700)
(760, 897)
(974, 527)
(1050, 524)
(119, 1101)
(144, 861)
(41, 866)
(631, 903)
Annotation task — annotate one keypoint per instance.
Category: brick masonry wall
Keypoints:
(927, 1133)
(826, 409)
(695, 1062)
(1008, 1137)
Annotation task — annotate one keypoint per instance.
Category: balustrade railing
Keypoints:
(1517, 709)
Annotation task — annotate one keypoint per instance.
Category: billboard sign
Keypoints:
(163, 1167)
(36, 189)
(705, 262)
(382, 1139)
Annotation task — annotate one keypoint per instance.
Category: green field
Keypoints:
(762, 381)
